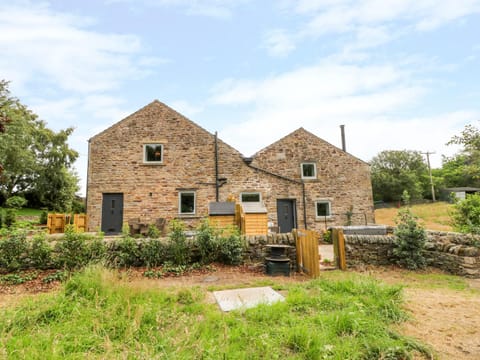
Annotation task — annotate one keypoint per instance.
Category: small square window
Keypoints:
(250, 197)
(323, 209)
(153, 153)
(309, 171)
(186, 202)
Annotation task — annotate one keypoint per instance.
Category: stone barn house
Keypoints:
(158, 165)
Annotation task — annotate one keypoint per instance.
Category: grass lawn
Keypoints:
(434, 216)
(98, 314)
(27, 212)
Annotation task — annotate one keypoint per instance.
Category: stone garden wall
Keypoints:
(452, 252)
(257, 249)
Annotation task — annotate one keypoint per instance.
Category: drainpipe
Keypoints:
(217, 185)
(304, 206)
(88, 179)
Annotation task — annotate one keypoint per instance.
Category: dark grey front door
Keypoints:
(286, 215)
(112, 213)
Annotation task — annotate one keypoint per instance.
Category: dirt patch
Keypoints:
(446, 320)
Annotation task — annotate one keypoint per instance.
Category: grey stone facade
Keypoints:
(151, 190)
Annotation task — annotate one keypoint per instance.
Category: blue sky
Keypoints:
(399, 74)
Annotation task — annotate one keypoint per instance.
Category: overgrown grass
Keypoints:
(98, 315)
(434, 216)
(27, 212)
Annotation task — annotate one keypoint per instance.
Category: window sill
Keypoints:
(188, 216)
(327, 218)
(152, 164)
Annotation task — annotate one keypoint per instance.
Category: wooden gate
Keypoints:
(308, 259)
(338, 240)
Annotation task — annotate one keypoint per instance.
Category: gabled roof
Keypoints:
(314, 137)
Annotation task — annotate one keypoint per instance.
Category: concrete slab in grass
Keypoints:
(229, 300)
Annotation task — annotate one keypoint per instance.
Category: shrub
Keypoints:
(466, 215)
(72, 250)
(13, 250)
(153, 232)
(207, 242)
(43, 217)
(96, 250)
(10, 217)
(123, 253)
(15, 202)
(409, 241)
(179, 251)
(40, 252)
(153, 252)
(231, 249)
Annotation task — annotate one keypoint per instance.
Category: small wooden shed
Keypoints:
(253, 218)
(222, 214)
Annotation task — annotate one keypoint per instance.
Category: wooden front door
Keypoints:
(286, 215)
(112, 213)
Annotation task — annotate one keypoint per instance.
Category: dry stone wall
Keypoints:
(452, 252)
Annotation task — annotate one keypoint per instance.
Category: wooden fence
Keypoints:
(308, 259)
(338, 240)
(56, 222)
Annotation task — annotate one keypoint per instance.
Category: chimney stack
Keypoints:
(344, 146)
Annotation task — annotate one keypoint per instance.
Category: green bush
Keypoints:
(40, 252)
(231, 249)
(43, 217)
(153, 252)
(179, 251)
(123, 253)
(15, 202)
(207, 242)
(10, 217)
(13, 251)
(71, 250)
(466, 215)
(153, 232)
(96, 250)
(409, 241)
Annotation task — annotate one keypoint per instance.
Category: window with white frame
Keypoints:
(153, 153)
(186, 202)
(250, 197)
(309, 170)
(323, 208)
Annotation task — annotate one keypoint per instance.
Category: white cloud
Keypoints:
(278, 42)
(220, 9)
(59, 49)
(373, 101)
(372, 22)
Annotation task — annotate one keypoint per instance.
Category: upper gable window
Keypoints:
(153, 153)
(309, 170)
(250, 197)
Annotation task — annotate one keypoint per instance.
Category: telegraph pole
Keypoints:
(428, 153)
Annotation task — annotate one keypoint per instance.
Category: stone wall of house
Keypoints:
(342, 179)
(151, 191)
(452, 252)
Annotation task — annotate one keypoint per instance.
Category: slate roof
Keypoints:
(254, 208)
(221, 208)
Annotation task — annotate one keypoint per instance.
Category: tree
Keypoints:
(409, 241)
(5, 100)
(466, 215)
(395, 171)
(463, 169)
(36, 160)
